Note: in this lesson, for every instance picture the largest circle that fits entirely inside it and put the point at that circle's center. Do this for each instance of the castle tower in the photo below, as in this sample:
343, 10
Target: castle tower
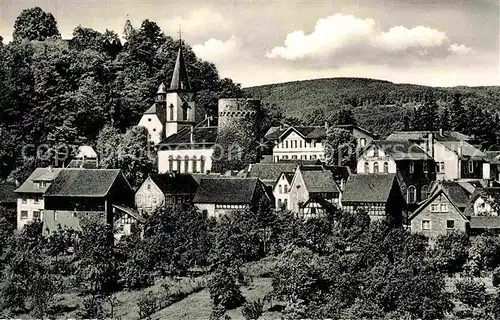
239, 112
180, 106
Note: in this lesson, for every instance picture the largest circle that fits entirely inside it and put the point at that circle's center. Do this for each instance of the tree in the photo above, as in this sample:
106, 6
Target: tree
340, 147
471, 292
224, 287
458, 114
342, 117
34, 24
252, 310
451, 252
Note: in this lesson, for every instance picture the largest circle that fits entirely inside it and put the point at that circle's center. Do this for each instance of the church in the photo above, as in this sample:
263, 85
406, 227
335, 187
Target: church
185, 139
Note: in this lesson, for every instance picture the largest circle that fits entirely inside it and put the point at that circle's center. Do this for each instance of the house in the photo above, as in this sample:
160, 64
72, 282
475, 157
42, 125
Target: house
378, 194
414, 167
77, 193
125, 219
306, 142
85, 158
8, 198
494, 161
321, 183
269, 173
453, 153
438, 215
30, 201
483, 210
281, 190
220, 196
165, 189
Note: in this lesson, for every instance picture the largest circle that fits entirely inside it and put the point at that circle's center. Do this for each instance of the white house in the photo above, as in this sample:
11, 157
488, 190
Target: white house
30, 202
281, 190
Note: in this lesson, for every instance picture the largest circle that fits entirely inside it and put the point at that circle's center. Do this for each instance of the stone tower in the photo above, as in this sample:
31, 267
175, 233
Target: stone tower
239, 111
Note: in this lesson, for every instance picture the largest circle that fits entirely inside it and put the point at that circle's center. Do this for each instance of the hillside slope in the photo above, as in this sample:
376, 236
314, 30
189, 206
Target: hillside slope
377, 104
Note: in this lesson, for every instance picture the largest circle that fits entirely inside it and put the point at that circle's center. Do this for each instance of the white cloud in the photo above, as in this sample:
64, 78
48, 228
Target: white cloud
215, 50
401, 38
350, 39
459, 49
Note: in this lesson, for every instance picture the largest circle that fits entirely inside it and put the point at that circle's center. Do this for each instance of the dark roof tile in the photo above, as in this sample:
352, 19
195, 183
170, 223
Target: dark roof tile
175, 183
368, 187
226, 190
83, 182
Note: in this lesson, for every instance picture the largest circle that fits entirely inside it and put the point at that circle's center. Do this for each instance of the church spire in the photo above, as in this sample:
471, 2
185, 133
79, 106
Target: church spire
180, 80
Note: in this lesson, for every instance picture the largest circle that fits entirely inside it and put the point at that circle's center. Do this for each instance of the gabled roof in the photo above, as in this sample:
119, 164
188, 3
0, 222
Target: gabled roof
489, 192
151, 110
399, 150
424, 204
288, 176
131, 212
318, 180
86, 164
422, 135
175, 183
309, 132
83, 183
456, 193
86, 152
180, 80
206, 136
40, 174
464, 149
7, 194
226, 190
368, 187
269, 173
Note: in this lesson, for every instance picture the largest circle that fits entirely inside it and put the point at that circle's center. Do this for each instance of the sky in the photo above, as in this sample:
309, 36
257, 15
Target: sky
429, 42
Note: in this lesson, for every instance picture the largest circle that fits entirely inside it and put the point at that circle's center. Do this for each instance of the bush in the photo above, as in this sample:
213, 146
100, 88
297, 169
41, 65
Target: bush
252, 310
495, 277
148, 304
471, 292
224, 288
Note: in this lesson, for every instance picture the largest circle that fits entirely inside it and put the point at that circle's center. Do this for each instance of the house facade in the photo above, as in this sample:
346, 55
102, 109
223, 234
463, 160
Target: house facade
30, 201
437, 216
483, 210
78, 193
221, 196
377, 194
281, 190
307, 142
165, 190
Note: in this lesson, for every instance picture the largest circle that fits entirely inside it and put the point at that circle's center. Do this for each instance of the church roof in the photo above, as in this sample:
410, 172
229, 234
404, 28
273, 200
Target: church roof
180, 80
201, 135
151, 110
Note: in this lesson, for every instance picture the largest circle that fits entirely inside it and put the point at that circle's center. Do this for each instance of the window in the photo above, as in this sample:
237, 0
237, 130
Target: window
24, 214
426, 224
314, 157
426, 169
186, 164
55, 215
202, 164
440, 167
43, 184
471, 166
185, 112
24, 200
36, 214
362, 142
195, 165
411, 194
434, 208
450, 224
179, 163
171, 112
170, 164
37, 199
300, 144
286, 144
281, 188
443, 207
412, 167
425, 192
386, 167
375, 167
279, 203
375, 151
285, 188
295, 144
367, 167
294, 157
149, 186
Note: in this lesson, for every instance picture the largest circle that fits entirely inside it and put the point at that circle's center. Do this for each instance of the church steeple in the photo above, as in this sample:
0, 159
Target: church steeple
180, 80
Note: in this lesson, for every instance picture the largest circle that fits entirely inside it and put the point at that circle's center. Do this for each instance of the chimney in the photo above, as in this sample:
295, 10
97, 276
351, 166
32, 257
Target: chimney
191, 134
430, 144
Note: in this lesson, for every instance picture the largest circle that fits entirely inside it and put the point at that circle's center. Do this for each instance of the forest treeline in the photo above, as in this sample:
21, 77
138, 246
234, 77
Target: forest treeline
56, 91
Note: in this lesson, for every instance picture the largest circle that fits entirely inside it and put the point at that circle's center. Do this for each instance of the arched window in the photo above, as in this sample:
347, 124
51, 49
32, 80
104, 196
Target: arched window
367, 167
375, 167
186, 164
375, 151
386, 167
411, 194
425, 192
195, 165
179, 164
412, 167
170, 164
171, 112
362, 142
185, 111
202, 164
281, 188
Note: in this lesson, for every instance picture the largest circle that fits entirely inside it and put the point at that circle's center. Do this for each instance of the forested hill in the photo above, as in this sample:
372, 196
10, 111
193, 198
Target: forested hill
377, 104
